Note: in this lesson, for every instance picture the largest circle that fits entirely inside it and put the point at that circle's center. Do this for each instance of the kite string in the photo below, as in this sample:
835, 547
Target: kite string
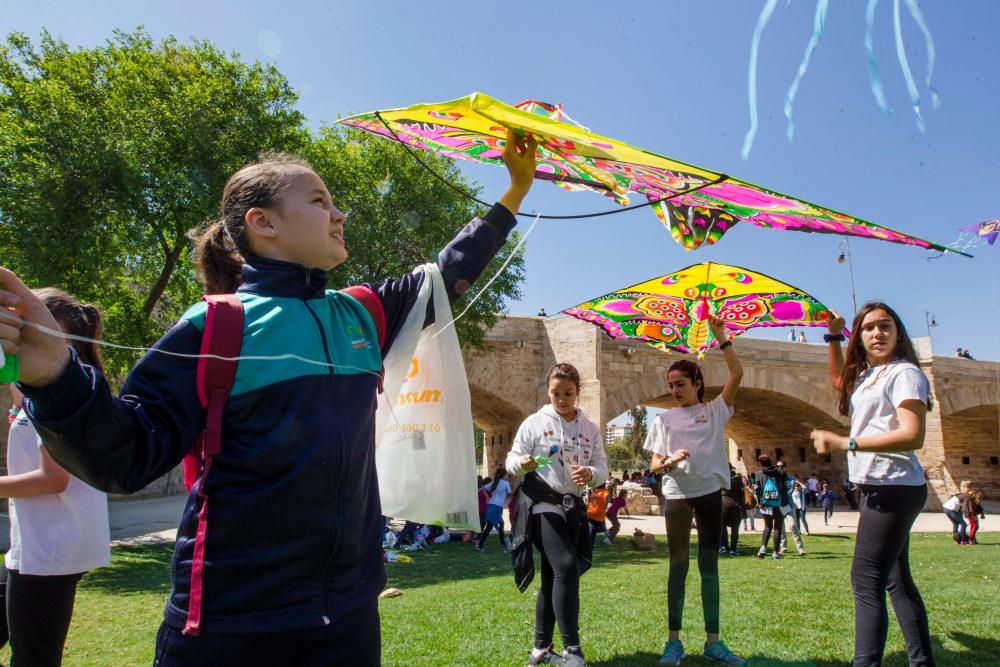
818, 21
409, 149
765, 16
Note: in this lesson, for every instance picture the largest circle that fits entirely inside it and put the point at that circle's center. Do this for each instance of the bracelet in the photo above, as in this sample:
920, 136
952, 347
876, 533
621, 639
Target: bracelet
728, 343
830, 338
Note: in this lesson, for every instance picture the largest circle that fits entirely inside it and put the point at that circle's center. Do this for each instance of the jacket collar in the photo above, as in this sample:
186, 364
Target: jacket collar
274, 277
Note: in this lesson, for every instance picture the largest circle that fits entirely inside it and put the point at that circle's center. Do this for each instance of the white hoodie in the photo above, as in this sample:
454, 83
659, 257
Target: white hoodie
565, 443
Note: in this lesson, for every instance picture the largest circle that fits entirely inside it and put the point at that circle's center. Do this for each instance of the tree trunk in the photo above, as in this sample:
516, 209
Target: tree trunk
161, 283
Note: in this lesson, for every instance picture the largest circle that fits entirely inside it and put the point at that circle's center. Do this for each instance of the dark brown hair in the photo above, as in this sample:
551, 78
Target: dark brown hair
563, 372
693, 372
221, 245
764, 460
77, 319
856, 359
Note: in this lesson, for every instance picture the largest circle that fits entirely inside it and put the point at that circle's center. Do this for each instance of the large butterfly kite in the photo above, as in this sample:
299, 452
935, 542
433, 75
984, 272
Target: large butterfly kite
670, 313
698, 206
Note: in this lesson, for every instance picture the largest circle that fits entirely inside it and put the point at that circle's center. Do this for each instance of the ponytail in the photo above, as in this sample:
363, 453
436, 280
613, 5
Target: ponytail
220, 246
76, 319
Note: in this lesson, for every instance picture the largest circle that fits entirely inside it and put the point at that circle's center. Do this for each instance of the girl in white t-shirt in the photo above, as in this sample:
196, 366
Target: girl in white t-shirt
689, 448
498, 489
58, 524
887, 396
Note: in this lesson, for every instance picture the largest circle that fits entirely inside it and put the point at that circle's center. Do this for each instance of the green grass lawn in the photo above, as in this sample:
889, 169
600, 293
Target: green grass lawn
461, 607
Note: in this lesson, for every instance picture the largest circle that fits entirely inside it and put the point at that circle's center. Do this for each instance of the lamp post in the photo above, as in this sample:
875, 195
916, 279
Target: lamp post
845, 258
931, 322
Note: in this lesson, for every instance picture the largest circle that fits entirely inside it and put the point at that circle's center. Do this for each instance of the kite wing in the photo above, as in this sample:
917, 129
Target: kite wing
702, 206
671, 312
988, 230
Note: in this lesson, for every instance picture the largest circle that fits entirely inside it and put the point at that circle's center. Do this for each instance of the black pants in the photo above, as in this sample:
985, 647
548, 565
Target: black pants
707, 511
36, 614
559, 598
882, 563
732, 515
774, 521
354, 639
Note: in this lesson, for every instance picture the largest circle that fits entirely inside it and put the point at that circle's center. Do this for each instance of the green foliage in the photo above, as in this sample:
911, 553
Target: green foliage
620, 457
400, 216
108, 156
637, 438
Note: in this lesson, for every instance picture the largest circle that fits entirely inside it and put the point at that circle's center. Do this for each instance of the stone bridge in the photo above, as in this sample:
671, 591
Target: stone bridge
785, 393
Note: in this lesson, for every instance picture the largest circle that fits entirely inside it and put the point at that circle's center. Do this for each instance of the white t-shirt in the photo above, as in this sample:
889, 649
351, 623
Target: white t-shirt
879, 391
700, 430
499, 492
56, 533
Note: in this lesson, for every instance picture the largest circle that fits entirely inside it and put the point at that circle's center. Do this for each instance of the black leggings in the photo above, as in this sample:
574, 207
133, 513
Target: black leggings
37, 612
707, 511
559, 597
486, 533
882, 563
774, 521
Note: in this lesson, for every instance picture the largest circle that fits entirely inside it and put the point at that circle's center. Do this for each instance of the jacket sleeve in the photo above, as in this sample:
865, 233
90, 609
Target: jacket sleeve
522, 445
461, 262
120, 445
598, 463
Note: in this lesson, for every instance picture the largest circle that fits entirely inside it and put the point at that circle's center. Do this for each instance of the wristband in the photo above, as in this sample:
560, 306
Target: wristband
830, 338
728, 343
852, 446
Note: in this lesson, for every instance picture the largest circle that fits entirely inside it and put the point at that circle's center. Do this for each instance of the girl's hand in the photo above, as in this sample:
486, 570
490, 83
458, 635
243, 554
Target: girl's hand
519, 154
827, 442
718, 329
528, 464
42, 357
581, 475
835, 324
678, 456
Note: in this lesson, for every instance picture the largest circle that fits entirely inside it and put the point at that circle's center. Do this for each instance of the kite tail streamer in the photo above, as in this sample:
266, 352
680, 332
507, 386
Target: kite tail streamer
765, 16
918, 18
818, 20
911, 85
870, 53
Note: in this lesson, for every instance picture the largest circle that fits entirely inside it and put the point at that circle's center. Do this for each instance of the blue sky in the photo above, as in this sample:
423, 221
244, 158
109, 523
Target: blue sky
670, 77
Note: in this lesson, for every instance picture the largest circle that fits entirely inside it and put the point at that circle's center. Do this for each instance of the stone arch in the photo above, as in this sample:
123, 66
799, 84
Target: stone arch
961, 397
972, 447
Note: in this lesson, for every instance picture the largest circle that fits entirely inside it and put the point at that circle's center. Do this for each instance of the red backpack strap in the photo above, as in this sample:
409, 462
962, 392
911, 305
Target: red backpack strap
221, 342
369, 299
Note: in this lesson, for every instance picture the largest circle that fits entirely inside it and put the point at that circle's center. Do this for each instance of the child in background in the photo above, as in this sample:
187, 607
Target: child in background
597, 512
827, 498
617, 504
499, 489
973, 510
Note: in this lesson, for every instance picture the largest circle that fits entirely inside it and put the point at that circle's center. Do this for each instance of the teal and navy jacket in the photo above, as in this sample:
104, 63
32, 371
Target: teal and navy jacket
294, 540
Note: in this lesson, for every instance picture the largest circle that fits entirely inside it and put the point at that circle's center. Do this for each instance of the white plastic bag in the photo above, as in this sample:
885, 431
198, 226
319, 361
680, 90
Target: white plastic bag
424, 449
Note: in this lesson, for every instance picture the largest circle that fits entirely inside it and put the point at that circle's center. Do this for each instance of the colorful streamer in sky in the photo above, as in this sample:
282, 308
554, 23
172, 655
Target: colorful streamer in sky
696, 205
670, 313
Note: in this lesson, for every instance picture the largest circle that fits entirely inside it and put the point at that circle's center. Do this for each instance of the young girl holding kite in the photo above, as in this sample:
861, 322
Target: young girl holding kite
292, 555
560, 452
689, 448
886, 395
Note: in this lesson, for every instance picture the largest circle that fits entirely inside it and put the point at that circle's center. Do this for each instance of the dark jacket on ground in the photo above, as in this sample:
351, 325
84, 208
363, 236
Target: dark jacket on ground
294, 532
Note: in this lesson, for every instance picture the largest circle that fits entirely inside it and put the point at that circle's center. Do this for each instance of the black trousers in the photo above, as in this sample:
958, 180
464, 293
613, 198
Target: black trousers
882, 563
707, 511
559, 597
354, 639
775, 521
36, 614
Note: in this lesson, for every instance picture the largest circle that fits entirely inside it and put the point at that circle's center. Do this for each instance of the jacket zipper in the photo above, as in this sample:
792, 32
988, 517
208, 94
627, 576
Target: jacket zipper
339, 481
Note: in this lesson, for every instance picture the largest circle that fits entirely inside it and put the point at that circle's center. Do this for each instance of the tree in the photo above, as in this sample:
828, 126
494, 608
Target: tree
108, 156
400, 216
637, 438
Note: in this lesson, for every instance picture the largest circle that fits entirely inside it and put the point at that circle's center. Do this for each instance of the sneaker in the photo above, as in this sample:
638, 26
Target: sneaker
777, 556
734, 552
481, 549
762, 553
546, 657
573, 657
673, 653
607, 541
722, 551
719, 652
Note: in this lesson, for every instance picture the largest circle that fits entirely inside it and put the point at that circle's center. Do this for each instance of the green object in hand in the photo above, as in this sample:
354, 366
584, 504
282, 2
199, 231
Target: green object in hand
541, 461
9, 368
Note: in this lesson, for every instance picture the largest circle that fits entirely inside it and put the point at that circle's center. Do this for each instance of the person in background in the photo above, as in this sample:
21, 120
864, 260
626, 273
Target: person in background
972, 508
827, 498
617, 504
499, 489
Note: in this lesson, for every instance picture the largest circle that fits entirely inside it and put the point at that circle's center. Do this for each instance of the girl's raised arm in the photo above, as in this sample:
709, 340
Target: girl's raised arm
718, 328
